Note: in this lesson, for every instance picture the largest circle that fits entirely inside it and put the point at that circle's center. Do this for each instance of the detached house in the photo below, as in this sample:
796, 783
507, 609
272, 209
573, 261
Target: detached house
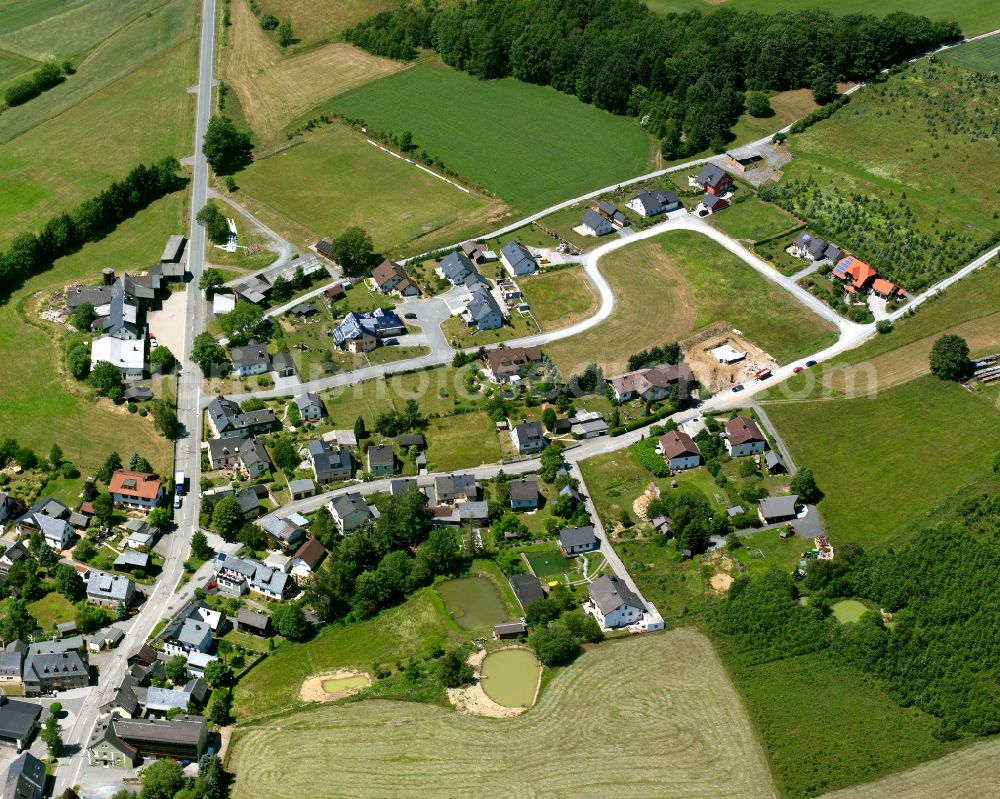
247, 454
310, 406
483, 311
456, 268
283, 533
185, 635
517, 259
528, 438
110, 590
679, 450
389, 276
713, 180
574, 540
237, 576
226, 420
349, 511
330, 463
506, 363
651, 385
594, 224
524, 493
743, 437
136, 490
654, 203
252, 359
855, 274
806, 245
381, 460
613, 603
451, 488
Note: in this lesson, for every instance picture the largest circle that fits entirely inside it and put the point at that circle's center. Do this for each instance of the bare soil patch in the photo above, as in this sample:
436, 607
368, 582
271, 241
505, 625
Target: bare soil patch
312, 688
472, 699
717, 376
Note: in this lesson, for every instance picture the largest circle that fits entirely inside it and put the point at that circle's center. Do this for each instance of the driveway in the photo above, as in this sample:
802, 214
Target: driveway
169, 323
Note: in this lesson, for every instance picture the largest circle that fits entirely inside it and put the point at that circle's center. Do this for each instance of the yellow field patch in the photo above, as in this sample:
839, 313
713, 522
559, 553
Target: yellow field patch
273, 90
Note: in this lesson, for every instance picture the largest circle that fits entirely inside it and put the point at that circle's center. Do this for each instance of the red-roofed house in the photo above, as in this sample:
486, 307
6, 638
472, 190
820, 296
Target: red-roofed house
137, 490
855, 273
743, 437
679, 450
885, 288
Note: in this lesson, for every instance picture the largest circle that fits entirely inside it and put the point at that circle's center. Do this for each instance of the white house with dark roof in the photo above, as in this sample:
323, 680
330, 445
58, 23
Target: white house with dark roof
456, 267
252, 359
237, 576
483, 311
310, 405
517, 259
575, 540
653, 203
349, 511
528, 437
330, 463
595, 224
613, 603
524, 493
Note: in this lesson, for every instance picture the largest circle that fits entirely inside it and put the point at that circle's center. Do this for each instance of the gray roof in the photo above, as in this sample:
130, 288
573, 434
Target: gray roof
482, 305
527, 588
258, 575
25, 778
456, 267
411, 440
301, 485
132, 558
578, 536
253, 619
173, 248
528, 430
476, 510
346, 504
515, 252
609, 593
777, 507
226, 415
525, 488
309, 399
67, 664
326, 458
510, 628
380, 455
249, 501
734, 510
402, 485
253, 354
18, 718
592, 219
456, 484
108, 586
653, 201
54, 647
568, 491
590, 426
164, 699
771, 459
710, 174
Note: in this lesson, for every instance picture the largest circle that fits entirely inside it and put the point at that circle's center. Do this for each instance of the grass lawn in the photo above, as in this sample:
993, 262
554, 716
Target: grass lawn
411, 628
45, 405
550, 564
687, 282
329, 182
889, 489
559, 299
687, 707
787, 106
52, 609
753, 220
462, 441
675, 586
554, 146
461, 336
318, 20
857, 733
981, 56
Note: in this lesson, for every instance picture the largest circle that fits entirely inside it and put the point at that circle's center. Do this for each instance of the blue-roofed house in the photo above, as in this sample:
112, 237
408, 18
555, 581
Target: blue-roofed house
517, 259
361, 332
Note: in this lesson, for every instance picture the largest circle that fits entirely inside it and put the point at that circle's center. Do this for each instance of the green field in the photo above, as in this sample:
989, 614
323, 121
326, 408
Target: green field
687, 708
461, 441
52, 609
981, 56
335, 179
753, 220
974, 17
559, 299
687, 282
885, 462
530, 145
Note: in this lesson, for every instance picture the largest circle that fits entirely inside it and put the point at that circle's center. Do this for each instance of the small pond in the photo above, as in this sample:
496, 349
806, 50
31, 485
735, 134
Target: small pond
339, 685
473, 602
848, 610
510, 677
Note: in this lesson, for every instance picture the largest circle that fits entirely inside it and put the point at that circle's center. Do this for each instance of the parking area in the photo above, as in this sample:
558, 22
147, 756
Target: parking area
167, 324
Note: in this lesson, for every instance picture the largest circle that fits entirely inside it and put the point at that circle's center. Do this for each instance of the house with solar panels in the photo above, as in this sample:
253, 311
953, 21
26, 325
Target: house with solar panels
363, 332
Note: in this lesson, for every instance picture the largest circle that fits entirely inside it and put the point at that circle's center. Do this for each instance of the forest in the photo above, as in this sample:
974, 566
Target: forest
939, 648
682, 75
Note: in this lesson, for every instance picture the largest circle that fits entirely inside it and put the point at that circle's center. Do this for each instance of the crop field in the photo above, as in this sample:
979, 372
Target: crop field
981, 56
687, 712
753, 220
976, 16
872, 441
915, 212
326, 184
273, 89
553, 147
687, 282
45, 405
559, 299
320, 20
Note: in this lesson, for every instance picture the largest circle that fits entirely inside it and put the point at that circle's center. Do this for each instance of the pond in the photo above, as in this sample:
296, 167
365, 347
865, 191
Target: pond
510, 677
848, 610
473, 602
338, 685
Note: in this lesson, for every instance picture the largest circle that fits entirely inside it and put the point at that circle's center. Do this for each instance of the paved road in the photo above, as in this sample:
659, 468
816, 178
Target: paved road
187, 452
282, 246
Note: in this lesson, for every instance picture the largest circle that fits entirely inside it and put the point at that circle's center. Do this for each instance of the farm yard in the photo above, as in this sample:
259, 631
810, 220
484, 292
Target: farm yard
425, 751
341, 168
688, 283
553, 147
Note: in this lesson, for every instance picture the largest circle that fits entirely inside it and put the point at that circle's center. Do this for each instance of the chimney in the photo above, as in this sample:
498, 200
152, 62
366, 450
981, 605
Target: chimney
108, 276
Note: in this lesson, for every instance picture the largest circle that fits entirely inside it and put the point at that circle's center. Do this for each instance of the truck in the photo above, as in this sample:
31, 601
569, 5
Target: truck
179, 481
763, 374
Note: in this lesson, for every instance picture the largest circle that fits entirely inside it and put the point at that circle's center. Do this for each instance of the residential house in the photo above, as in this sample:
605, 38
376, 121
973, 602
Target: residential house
13, 553
128, 355
226, 420
302, 488
310, 406
307, 558
25, 778
452, 488
248, 454
528, 437
475, 513
855, 274
186, 634
713, 181
57, 532
249, 621
389, 276
517, 259
710, 204
524, 493
381, 460
46, 671
807, 245
8, 506
349, 511
403, 486
679, 450
506, 363
283, 533
237, 576
18, 722
330, 463
249, 501
574, 540
613, 603
136, 490
252, 359
773, 510
110, 590
483, 311
653, 203
283, 365
197, 662
652, 385
362, 332
140, 535
527, 588
743, 437
12, 662
122, 743
594, 224
456, 267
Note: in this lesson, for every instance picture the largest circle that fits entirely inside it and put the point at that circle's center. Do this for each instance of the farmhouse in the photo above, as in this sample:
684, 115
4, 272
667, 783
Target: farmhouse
483, 311
528, 437
310, 406
743, 437
329, 463
778, 509
855, 274
18, 723
654, 203
613, 603
517, 259
128, 355
121, 743
527, 588
381, 460
506, 363
574, 540
349, 511
594, 224
806, 245
389, 276
110, 590
524, 493
679, 450
226, 420
651, 385
712, 180
136, 490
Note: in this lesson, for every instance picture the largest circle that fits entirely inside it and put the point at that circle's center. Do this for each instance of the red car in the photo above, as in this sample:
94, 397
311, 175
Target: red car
797, 369
210, 585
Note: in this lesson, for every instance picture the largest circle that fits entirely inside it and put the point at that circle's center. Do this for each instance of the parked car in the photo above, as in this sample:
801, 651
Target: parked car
763, 374
738, 387
797, 369
391, 342
178, 500
810, 363
409, 316
211, 584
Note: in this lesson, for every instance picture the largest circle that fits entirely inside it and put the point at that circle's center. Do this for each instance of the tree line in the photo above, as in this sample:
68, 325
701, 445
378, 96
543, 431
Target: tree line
683, 75
46, 77
93, 219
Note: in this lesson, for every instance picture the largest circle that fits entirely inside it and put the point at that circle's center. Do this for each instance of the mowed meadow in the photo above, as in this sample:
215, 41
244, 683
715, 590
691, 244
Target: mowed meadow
666, 695
529, 145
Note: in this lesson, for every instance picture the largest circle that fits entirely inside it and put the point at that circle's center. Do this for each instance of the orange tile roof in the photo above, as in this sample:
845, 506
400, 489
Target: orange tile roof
860, 272
883, 286
135, 484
